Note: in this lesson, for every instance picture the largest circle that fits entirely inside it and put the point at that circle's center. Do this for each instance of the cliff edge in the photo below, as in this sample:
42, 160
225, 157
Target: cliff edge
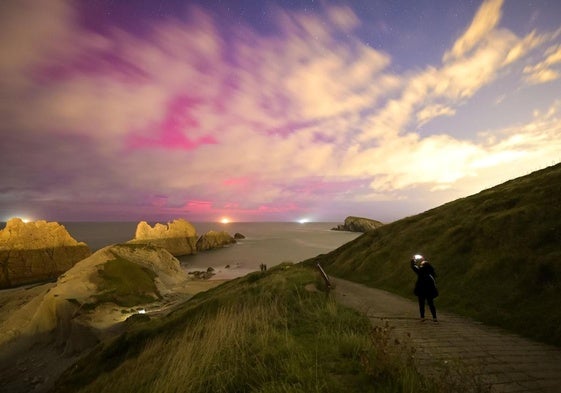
96, 293
36, 251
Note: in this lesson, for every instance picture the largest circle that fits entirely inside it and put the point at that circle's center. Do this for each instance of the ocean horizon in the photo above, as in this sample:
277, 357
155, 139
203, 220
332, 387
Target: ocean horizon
268, 243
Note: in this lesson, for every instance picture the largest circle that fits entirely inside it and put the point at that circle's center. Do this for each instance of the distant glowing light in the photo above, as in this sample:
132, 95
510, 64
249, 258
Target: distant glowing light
23, 218
303, 220
225, 220
142, 311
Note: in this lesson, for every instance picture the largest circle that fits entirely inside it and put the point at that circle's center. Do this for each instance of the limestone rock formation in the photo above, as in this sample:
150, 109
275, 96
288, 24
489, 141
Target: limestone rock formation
36, 251
176, 228
214, 239
358, 224
98, 292
179, 237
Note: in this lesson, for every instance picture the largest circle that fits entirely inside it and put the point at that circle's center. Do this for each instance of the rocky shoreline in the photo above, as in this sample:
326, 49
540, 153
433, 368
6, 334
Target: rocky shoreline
46, 326
40, 251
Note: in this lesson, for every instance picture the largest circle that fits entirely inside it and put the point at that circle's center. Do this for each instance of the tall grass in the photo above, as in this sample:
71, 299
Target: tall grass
268, 332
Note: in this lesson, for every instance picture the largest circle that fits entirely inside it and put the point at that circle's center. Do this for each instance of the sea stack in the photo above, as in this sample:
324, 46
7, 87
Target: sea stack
358, 224
179, 237
214, 239
36, 251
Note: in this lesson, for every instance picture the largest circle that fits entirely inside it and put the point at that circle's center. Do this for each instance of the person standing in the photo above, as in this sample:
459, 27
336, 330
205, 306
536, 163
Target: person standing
425, 287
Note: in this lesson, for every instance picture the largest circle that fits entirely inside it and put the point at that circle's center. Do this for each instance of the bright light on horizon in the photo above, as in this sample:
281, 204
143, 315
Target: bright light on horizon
225, 220
303, 220
23, 218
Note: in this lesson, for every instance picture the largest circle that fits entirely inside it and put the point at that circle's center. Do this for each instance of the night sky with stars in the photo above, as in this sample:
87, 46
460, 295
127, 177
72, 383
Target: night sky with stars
271, 110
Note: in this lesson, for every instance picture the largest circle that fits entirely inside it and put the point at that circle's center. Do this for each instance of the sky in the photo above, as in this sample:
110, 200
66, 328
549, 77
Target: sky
271, 110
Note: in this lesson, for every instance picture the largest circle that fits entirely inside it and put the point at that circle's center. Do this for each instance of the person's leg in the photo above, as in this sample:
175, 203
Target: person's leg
422, 306
430, 301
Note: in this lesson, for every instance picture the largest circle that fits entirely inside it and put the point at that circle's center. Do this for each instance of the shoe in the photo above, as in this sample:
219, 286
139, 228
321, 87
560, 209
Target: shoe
435, 320
423, 319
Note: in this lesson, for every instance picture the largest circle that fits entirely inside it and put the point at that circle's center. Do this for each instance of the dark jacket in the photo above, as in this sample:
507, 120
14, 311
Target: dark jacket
426, 280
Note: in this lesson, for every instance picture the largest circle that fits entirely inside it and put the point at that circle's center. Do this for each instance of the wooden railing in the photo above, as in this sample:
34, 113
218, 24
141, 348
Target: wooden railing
325, 276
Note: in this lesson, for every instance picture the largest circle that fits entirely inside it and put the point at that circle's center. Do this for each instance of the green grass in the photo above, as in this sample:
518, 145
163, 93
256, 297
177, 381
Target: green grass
497, 254
266, 332
125, 283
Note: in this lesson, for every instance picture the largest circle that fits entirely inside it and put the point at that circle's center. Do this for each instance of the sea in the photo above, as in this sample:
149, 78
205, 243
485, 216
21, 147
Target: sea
268, 243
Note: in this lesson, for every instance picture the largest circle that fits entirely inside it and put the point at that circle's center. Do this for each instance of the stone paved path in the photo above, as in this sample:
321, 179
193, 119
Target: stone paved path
501, 360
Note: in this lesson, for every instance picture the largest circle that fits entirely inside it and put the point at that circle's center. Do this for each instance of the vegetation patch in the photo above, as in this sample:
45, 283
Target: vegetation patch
126, 284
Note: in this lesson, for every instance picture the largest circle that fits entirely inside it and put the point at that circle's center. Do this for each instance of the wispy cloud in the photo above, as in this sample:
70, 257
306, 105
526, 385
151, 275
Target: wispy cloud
485, 20
193, 117
546, 70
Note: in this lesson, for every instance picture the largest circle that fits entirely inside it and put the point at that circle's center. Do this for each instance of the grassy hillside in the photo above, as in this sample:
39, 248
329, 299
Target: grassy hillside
266, 332
497, 255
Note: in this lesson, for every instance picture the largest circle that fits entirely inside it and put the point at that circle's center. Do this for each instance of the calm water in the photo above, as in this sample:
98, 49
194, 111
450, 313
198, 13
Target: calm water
267, 243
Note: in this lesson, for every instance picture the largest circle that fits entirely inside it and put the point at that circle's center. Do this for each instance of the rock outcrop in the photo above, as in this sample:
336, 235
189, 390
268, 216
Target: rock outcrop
179, 237
358, 224
36, 251
98, 292
214, 239
238, 236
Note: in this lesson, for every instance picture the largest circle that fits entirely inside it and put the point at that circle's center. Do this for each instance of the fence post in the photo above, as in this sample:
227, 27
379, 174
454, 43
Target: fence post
324, 275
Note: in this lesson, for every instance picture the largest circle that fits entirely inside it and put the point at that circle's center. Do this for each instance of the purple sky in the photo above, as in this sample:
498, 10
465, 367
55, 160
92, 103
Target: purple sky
271, 110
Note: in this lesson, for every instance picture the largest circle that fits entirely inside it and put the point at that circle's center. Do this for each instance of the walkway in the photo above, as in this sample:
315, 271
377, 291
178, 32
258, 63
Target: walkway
501, 360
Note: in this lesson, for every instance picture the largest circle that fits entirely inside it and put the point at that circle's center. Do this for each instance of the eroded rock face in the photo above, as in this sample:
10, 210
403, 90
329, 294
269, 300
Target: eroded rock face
176, 228
86, 297
214, 239
19, 235
358, 224
36, 251
179, 237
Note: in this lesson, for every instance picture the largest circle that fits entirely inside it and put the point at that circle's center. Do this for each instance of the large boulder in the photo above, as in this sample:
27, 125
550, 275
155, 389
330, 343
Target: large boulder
179, 237
98, 292
36, 251
214, 239
358, 224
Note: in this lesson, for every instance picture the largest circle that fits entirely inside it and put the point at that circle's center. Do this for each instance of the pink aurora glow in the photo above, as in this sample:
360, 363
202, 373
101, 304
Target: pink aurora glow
278, 111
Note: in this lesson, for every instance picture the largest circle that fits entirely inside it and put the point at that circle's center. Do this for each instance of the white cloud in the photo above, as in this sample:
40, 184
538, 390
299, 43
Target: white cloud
430, 112
528, 43
486, 19
283, 109
544, 71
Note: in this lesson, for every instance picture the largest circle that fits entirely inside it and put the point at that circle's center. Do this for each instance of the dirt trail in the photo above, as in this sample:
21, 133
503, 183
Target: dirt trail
502, 360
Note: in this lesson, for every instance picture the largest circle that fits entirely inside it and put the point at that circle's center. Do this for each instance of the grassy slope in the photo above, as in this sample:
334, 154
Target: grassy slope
264, 332
497, 254
126, 283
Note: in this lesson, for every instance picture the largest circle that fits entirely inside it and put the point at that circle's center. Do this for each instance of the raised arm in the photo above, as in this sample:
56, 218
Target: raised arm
414, 266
